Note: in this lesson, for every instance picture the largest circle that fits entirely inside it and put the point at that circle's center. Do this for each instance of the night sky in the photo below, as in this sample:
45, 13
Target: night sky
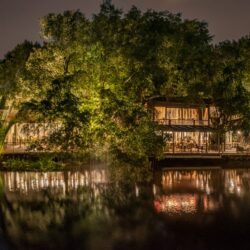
19, 19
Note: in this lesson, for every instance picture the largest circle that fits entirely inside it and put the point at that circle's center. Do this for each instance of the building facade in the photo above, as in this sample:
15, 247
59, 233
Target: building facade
187, 127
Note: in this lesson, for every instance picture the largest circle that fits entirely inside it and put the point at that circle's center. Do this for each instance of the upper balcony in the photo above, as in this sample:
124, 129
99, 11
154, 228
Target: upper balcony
182, 116
187, 122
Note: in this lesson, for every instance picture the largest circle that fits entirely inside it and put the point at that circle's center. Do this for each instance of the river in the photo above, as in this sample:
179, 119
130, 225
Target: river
178, 209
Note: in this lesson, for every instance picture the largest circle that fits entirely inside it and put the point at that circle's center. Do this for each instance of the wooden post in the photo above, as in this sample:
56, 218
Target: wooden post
182, 145
199, 141
208, 115
206, 141
219, 143
225, 135
38, 131
209, 139
182, 116
15, 137
173, 141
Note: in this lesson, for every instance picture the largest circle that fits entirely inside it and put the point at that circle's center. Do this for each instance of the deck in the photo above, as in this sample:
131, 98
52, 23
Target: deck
183, 160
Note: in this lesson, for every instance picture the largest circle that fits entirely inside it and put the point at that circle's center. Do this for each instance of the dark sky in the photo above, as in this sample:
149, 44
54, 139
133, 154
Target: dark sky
19, 19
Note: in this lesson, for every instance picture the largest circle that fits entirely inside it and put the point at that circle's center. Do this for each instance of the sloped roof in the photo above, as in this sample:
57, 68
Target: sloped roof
181, 101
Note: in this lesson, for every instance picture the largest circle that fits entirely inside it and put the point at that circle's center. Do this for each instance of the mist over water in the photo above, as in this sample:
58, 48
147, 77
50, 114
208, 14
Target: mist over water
178, 209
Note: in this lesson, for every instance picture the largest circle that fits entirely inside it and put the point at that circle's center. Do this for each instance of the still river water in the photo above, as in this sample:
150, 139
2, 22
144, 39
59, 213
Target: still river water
179, 209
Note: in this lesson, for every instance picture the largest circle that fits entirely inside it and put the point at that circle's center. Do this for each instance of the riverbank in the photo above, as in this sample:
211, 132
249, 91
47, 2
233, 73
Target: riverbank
37, 161
204, 160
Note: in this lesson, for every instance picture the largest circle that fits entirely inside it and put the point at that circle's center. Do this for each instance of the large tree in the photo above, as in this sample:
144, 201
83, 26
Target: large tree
95, 78
11, 68
230, 87
86, 82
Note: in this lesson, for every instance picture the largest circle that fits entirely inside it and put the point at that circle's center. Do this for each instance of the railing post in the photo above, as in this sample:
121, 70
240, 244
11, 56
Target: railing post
173, 142
206, 136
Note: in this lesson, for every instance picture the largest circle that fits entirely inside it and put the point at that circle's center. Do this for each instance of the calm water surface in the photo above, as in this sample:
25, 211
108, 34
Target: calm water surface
179, 209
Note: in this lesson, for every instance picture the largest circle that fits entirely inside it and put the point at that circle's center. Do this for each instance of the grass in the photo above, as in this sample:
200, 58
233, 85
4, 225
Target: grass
44, 163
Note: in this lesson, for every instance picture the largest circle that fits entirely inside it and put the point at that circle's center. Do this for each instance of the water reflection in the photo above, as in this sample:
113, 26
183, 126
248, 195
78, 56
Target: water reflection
177, 203
200, 180
176, 191
70, 210
197, 191
60, 182
85, 210
186, 192
233, 181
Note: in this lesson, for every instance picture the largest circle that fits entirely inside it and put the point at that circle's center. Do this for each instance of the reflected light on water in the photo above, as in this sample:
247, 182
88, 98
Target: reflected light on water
177, 191
194, 191
177, 204
26, 182
83, 210
233, 182
188, 179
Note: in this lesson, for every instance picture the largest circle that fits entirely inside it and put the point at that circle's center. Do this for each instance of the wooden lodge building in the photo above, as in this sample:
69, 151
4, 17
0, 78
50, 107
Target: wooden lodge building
186, 127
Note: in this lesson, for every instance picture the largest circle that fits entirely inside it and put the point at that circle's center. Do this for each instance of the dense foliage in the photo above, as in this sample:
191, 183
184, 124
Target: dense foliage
95, 78
11, 69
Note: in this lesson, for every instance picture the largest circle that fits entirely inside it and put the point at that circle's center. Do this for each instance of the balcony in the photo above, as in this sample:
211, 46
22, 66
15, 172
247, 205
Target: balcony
187, 122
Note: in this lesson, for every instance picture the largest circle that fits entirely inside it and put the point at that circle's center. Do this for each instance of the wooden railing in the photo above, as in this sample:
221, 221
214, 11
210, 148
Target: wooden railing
189, 122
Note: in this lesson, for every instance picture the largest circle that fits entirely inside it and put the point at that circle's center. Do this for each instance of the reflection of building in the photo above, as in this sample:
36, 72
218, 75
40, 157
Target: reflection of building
232, 182
187, 127
195, 191
186, 192
177, 203
177, 192
188, 180
27, 183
